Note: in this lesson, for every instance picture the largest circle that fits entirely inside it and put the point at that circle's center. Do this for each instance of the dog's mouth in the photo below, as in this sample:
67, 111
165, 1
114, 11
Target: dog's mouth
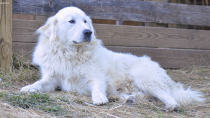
86, 41
74, 42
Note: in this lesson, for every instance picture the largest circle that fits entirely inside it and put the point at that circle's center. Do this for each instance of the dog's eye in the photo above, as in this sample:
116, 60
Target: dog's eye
85, 21
72, 21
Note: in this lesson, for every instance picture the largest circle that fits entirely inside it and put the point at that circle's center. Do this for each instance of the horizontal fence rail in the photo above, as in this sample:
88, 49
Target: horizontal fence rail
172, 48
155, 37
122, 10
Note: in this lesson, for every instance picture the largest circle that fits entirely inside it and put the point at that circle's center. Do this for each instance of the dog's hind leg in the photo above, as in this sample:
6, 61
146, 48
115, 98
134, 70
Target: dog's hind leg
165, 97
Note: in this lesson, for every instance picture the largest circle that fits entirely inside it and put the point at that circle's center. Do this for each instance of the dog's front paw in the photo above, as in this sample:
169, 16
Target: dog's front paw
30, 88
99, 98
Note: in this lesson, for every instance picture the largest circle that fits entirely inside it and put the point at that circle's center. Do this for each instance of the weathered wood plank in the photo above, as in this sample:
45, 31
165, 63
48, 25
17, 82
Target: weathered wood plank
38, 17
168, 58
23, 16
6, 34
112, 35
153, 37
119, 36
27, 23
25, 27
25, 38
24, 30
126, 10
24, 50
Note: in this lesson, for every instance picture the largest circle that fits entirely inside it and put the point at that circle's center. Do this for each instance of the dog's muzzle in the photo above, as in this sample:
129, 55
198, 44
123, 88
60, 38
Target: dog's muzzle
87, 35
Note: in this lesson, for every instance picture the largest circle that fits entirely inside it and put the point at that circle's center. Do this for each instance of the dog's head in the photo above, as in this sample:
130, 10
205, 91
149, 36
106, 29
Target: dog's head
70, 26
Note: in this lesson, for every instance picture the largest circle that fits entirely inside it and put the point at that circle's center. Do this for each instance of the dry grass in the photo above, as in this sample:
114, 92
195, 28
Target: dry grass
14, 104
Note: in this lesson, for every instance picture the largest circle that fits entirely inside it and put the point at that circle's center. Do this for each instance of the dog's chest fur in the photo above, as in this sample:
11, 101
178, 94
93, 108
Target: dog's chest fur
69, 66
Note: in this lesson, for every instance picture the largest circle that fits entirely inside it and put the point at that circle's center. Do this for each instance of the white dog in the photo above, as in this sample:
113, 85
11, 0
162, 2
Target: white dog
70, 57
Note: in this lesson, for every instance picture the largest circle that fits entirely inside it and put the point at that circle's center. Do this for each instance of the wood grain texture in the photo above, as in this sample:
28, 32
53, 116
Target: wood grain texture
24, 30
168, 58
25, 27
23, 50
155, 42
23, 16
112, 35
25, 38
6, 34
122, 10
137, 36
39, 17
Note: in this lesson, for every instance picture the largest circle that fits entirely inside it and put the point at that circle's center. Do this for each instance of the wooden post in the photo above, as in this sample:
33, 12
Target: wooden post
6, 34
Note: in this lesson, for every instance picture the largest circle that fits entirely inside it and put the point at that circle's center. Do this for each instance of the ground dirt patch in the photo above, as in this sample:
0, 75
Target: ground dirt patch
14, 104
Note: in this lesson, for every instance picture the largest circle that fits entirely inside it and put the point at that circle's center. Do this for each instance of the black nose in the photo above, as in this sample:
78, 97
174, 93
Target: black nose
87, 32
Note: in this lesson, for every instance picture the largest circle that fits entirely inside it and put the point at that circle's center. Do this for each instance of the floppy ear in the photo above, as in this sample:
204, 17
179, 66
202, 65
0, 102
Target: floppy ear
49, 29
91, 27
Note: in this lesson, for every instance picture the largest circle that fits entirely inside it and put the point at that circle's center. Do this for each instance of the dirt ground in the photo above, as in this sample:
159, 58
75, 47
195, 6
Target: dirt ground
61, 104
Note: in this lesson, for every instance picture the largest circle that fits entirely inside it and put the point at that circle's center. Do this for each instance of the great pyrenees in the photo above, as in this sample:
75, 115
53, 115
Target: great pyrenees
72, 58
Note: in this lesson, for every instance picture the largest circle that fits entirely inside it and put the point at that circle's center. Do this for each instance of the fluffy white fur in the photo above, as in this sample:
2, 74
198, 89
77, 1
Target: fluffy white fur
68, 62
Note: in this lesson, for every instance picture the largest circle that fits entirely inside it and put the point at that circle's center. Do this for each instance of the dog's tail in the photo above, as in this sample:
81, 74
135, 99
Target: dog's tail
186, 97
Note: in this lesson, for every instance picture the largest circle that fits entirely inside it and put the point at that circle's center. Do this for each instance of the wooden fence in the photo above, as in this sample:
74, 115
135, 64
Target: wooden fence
5, 34
171, 47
